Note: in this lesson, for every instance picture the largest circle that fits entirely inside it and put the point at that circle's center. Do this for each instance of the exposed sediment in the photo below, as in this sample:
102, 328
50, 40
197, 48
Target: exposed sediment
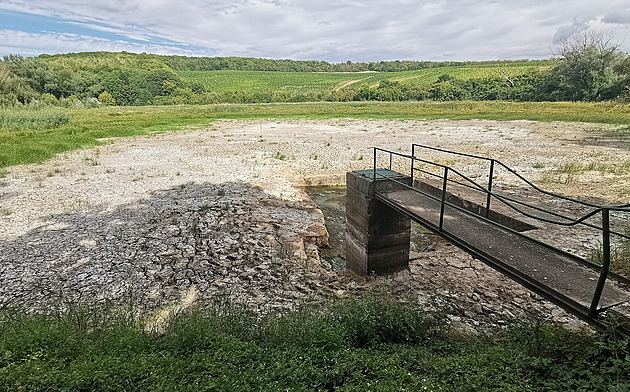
220, 212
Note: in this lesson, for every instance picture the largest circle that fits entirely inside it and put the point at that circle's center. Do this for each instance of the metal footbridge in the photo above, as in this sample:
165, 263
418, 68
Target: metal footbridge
509, 227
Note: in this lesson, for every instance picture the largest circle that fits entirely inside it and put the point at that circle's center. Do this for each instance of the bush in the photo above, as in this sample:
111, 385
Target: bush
106, 99
370, 321
49, 99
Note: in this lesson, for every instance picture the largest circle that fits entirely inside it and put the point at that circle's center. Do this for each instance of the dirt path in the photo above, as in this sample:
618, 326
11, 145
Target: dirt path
349, 83
220, 211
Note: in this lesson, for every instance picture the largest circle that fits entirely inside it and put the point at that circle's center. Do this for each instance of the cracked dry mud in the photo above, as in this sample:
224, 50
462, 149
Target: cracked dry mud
220, 212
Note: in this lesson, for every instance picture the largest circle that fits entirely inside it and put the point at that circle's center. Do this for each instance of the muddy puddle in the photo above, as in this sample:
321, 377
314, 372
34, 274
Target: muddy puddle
331, 200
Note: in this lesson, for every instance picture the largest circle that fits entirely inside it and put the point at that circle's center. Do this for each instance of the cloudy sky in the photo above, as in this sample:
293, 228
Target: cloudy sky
335, 31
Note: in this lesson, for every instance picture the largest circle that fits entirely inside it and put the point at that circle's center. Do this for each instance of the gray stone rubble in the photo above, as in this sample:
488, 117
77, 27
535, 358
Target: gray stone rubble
215, 238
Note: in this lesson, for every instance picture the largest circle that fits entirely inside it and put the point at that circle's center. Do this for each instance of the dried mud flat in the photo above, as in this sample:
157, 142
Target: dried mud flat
192, 217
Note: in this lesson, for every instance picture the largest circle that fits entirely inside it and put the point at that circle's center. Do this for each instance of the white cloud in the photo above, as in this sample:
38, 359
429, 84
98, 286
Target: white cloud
339, 30
18, 42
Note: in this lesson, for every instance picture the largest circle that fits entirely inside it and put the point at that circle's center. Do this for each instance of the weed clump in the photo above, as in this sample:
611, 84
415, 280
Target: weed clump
619, 255
280, 156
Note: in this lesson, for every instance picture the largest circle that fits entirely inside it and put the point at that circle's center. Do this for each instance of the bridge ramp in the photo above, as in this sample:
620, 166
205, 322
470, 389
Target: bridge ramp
530, 263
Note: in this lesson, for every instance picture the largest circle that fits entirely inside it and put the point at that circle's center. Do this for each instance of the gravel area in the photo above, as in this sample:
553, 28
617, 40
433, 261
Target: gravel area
221, 212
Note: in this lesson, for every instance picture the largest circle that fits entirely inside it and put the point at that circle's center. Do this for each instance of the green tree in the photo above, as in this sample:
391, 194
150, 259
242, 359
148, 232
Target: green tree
587, 71
14, 89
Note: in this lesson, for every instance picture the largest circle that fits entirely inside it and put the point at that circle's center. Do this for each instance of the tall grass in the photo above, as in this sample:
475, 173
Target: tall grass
353, 345
619, 255
33, 120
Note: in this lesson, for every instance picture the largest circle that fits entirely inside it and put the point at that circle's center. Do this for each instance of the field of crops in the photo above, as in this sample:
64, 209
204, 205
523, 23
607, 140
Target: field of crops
268, 81
253, 82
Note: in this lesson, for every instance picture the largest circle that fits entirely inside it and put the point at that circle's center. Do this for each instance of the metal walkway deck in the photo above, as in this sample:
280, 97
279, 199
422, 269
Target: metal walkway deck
579, 286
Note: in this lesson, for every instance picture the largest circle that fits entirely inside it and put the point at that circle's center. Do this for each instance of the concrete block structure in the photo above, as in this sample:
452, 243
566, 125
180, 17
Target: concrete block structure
377, 236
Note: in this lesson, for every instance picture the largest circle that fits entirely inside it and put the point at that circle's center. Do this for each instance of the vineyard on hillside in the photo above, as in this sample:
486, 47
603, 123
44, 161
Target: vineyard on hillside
326, 82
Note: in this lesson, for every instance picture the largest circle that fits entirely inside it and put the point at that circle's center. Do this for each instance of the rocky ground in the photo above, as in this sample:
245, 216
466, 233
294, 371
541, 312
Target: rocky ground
220, 214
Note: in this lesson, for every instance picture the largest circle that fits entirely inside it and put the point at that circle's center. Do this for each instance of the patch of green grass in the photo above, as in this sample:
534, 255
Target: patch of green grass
622, 133
34, 120
550, 179
602, 167
351, 345
90, 127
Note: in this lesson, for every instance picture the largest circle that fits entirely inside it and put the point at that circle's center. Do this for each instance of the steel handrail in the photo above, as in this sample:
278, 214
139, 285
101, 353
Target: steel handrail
490, 221
572, 221
509, 169
477, 187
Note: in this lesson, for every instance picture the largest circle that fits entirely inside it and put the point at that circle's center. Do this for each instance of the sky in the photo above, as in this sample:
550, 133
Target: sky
334, 31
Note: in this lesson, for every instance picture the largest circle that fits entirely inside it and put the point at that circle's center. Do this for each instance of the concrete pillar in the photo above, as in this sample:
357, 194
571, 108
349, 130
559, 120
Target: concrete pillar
377, 236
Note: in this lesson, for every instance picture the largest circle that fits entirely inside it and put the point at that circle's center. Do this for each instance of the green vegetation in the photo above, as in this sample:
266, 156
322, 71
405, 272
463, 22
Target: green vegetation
273, 86
256, 82
602, 167
589, 69
88, 126
619, 254
280, 156
77, 80
32, 120
351, 345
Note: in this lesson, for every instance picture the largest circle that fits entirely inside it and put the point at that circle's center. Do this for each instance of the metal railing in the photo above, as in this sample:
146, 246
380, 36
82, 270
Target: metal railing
516, 205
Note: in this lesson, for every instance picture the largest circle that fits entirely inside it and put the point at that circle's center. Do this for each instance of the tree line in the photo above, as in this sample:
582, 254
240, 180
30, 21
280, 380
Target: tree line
590, 68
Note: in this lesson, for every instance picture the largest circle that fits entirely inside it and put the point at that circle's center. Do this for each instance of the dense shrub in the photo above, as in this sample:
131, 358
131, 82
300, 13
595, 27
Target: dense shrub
106, 99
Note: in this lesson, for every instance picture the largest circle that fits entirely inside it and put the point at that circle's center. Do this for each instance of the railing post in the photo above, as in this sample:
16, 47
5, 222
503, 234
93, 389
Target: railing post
374, 173
413, 159
489, 196
443, 197
605, 262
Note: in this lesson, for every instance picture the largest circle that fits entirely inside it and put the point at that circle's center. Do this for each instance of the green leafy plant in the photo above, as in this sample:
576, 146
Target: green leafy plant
280, 156
352, 344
